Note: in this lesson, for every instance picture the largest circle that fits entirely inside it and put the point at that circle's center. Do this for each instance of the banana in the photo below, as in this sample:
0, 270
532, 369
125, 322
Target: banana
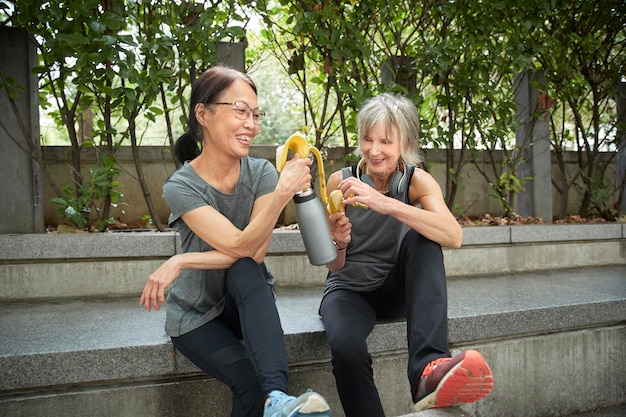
335, 202
298, 144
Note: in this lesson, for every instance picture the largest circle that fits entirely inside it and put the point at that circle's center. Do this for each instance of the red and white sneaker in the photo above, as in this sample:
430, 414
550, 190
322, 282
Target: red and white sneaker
446, 382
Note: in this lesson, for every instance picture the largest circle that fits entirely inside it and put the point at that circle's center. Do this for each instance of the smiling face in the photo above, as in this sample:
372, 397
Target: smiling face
223, 132
381, 150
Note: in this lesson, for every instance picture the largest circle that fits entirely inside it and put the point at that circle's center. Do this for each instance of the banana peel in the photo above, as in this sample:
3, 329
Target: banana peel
297, 143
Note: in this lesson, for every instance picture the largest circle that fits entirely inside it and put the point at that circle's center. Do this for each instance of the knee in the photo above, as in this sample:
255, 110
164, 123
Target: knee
415, 243
244, 269
245, 276
243, 264
348, 352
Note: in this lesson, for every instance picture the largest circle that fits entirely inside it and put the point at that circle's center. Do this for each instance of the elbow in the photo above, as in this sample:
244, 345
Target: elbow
453, 238
240, 250
457, 239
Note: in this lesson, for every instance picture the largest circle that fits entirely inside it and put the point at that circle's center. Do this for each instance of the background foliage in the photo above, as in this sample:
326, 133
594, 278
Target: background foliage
110, 69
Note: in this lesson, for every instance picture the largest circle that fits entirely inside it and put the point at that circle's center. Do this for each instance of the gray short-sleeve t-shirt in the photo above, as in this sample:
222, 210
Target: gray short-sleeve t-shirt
197, 296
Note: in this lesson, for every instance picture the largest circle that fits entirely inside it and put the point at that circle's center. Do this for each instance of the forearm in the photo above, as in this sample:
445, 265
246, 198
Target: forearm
203, 260
218, 231
440, 228
259, 256
338, 263
254, 240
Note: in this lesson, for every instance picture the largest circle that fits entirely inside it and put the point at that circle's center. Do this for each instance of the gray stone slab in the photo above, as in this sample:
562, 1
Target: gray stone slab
441, 412
75, 341
565, 232
619, 411
28, 247
527, 303
487, 235
286, 241
86, 245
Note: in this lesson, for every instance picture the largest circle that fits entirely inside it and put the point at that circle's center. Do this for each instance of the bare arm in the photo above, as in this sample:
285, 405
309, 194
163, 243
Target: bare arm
169, 271
433, 220
215, 229
229, 243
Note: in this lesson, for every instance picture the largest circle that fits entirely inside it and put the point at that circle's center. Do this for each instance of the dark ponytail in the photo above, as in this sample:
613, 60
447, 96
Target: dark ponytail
207, 89
186, 148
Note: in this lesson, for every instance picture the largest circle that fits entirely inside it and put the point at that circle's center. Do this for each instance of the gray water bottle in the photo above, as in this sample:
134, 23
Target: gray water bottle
314, 229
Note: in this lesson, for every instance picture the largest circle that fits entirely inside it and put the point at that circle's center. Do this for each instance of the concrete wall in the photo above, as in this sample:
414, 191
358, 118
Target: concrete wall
21, 200
473, 196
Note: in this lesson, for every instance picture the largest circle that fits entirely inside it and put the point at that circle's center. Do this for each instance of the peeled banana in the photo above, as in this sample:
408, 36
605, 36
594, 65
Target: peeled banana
335, 202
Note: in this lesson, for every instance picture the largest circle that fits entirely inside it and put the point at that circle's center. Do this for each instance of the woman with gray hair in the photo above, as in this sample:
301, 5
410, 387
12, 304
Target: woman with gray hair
390, 265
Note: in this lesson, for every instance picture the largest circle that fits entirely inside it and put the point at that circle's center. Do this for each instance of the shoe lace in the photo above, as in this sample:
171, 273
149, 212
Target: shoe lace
275, 404
432, 365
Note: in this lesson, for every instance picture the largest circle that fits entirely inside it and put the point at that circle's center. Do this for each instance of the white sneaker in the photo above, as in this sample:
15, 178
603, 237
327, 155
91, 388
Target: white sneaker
310, 403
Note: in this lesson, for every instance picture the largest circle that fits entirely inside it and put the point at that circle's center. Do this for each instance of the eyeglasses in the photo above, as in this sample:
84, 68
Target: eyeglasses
242, 111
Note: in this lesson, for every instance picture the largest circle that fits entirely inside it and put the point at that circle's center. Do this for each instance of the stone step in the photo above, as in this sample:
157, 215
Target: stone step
554, 340
441, 412
618, 411
118, 264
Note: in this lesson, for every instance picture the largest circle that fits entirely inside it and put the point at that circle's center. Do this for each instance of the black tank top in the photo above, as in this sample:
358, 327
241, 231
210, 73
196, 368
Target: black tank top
374, 247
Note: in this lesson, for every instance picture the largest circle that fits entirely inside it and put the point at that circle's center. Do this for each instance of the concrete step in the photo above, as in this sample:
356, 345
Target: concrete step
441, 412
618, 411
118, 264
554, 340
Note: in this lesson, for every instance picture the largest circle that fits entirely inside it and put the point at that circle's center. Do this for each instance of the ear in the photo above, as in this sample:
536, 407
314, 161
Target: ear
200, 112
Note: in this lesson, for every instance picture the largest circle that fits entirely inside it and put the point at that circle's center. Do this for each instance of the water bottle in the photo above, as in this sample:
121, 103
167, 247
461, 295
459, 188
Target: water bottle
314, 229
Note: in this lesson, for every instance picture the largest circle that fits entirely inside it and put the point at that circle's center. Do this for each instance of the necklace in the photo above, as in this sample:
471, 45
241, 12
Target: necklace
385, 191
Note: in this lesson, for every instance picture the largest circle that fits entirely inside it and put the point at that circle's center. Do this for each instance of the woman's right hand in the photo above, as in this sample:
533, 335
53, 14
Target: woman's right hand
158, 281
295, 175
340, 228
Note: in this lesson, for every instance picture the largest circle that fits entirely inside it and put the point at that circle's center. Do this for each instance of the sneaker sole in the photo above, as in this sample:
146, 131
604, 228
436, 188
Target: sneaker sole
468, 381
315, 405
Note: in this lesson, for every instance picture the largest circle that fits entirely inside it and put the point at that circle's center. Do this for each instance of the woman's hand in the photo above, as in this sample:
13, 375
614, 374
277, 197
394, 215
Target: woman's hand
158, 281
340, 228
295, 175
355, 191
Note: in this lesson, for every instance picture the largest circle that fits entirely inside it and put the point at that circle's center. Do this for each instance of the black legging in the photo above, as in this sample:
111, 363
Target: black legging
250, 313
416, 289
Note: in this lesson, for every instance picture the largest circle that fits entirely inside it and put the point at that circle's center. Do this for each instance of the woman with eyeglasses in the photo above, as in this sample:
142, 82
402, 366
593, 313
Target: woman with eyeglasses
221, 312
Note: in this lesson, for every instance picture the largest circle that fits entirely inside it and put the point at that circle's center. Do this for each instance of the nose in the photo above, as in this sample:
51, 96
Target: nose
374, 149
249, 120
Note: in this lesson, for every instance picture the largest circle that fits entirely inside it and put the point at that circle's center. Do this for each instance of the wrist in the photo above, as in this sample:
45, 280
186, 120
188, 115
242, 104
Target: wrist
338, 247
178, 261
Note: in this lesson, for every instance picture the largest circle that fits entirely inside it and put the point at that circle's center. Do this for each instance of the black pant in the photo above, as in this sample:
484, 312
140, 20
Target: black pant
259, 365
416, 289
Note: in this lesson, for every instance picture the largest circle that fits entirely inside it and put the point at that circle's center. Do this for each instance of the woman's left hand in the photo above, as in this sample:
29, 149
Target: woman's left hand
355, 191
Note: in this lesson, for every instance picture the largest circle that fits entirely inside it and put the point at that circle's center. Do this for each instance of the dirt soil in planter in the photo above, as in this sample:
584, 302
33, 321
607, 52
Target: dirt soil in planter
491, 220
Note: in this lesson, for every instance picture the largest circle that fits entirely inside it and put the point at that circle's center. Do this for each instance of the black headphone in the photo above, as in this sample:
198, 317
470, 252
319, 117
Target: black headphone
396, 186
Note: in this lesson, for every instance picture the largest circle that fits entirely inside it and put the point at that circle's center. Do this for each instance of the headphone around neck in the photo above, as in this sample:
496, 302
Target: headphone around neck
396, 186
